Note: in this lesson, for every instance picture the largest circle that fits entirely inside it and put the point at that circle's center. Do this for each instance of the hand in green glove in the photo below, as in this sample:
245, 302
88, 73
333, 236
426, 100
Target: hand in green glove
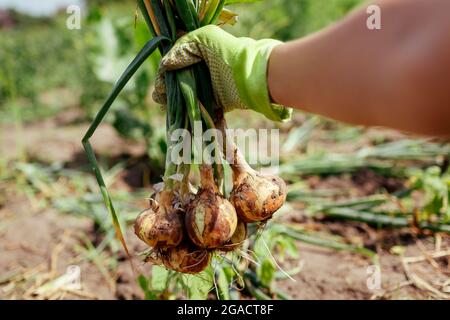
238, 68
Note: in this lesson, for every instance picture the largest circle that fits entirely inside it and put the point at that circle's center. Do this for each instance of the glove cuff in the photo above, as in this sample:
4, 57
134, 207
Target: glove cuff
252, 79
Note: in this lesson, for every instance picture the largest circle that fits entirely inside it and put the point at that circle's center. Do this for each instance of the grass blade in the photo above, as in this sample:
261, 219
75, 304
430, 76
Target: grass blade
146, 51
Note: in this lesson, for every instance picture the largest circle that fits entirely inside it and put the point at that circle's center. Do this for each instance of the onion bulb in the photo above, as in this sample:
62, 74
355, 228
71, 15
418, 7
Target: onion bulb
184, 258
161, 225
238, 238
211, 219
256, 197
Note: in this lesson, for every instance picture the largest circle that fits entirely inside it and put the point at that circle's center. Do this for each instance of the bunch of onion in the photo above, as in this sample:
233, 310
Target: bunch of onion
183, 226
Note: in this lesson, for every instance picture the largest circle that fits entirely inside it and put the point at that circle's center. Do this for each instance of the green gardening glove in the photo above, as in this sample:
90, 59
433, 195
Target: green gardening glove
238, 68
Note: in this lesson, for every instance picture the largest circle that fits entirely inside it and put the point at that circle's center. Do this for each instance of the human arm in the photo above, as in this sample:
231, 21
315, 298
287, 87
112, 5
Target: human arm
397, 77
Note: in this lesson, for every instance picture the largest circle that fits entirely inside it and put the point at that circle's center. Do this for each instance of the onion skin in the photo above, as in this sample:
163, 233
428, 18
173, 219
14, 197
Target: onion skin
185, 258
238, 238
160, 226
257, 197
211, 220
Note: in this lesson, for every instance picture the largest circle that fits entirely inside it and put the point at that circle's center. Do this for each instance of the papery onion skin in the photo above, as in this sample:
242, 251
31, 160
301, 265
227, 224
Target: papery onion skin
161, 225
238, 238
211, 220
257, 197
185, 258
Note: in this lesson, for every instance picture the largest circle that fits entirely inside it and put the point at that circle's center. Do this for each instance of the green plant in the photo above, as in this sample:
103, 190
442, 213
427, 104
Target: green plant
30, 69
434, 182
425, 175
290, 19
251, 271
189, 102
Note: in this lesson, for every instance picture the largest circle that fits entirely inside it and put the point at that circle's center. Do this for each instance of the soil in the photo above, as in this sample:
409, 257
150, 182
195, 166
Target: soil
327, 274
38, 245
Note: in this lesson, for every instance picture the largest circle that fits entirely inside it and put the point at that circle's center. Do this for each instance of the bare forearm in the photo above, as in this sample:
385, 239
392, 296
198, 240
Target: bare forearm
398, 76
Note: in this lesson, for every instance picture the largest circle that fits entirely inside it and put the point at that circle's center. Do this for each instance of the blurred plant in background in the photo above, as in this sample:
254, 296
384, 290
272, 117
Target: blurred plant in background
115, 40
289, 19
37, 58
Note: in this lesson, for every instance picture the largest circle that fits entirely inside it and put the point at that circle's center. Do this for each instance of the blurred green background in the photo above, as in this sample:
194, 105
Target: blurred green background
39, 54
